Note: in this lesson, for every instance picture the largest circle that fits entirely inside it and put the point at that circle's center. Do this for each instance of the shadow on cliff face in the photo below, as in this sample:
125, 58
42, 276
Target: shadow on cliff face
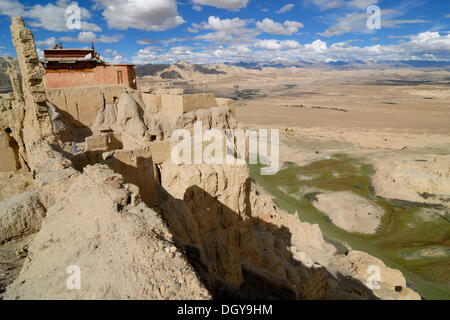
244, 257
77, 131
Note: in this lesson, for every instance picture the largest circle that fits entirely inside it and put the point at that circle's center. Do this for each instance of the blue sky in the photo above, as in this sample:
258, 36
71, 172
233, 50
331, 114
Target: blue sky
209, 31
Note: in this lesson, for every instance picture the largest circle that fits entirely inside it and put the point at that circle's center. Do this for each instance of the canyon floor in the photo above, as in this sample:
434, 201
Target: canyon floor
371, 146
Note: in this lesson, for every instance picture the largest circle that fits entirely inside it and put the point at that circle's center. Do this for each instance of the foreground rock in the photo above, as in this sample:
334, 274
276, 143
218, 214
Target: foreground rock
390, 285
20, 215
123, 251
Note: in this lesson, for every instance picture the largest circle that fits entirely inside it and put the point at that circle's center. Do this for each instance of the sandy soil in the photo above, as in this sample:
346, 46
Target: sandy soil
13, 183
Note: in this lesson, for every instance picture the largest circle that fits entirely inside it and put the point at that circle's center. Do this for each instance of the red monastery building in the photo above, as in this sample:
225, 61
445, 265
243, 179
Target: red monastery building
83, 67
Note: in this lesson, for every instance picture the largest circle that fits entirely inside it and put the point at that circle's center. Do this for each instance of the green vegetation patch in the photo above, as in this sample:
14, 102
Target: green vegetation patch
413, 237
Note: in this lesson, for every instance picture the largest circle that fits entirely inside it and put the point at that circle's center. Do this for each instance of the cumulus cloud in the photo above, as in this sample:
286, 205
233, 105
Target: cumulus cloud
286, 8
154, 15
50, 16
277, 44
317, 46
271, 27
88, 37
239, 30
224, 30
223, 4
231, 25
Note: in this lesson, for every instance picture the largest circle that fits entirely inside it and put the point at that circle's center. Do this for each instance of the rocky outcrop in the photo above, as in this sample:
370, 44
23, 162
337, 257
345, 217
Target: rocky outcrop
422, 180
37, 126
244, 246
238, 254
391, 286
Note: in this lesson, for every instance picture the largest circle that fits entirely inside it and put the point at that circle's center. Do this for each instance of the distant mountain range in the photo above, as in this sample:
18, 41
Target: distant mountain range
353, 64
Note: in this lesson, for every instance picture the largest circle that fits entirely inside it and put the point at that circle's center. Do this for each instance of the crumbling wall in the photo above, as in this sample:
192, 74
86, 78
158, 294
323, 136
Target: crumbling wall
80, 106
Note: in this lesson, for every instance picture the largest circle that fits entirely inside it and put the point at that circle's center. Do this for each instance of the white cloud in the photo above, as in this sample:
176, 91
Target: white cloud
11, 8
352, 4
50, 42
232, 25
223, 4
447, 16
286, 8
271, 27
277, 44
328, 4
224, 30
154, 15
357, 22
427, 46
88, 37
112, 56
361, 4
50, 16
40, 53
317, 46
